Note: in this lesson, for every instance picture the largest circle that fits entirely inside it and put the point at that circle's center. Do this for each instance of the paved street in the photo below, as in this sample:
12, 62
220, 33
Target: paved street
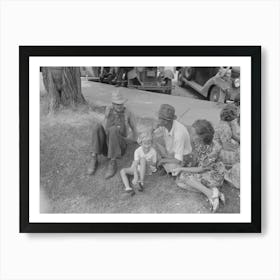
189, 105
145, 104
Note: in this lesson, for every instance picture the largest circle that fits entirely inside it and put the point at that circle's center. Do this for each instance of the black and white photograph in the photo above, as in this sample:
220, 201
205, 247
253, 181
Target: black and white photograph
140, 139
130, 145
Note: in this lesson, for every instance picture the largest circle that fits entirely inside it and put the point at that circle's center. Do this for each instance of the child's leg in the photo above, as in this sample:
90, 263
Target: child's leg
142, 170
124, 173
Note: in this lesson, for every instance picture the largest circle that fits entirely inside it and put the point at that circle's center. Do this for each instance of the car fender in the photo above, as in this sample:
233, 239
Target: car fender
217, 81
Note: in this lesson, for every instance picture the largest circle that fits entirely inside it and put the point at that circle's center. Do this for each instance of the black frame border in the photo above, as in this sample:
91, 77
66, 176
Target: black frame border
252, 51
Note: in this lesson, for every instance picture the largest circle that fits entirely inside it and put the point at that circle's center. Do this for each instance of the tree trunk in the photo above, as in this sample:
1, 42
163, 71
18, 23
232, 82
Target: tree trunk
63, 85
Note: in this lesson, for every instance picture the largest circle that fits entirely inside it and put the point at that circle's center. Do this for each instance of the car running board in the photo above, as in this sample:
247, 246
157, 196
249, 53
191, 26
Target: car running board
193, 85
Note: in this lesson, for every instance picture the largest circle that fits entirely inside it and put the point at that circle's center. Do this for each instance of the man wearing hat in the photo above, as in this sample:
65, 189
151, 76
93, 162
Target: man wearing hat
176, 138
109, 139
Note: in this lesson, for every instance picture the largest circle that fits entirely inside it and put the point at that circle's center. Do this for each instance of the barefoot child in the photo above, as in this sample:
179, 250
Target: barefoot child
144, 163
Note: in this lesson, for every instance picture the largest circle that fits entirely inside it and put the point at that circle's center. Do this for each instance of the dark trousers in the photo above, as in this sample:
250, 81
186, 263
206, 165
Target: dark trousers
110, 143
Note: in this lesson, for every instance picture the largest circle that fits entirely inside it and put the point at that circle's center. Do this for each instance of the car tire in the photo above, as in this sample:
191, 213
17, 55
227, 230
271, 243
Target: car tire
189, 73
216, 94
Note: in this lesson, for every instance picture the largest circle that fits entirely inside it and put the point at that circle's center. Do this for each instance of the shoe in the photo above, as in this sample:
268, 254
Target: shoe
112, 169
129, 193
140, 187
92, 166
214, 200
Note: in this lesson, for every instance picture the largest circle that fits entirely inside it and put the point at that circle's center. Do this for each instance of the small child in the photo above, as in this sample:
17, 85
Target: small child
145, 159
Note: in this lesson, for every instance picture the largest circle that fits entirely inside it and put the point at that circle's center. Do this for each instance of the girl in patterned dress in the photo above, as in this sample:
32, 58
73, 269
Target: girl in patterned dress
227, 133
227, 136
208, 174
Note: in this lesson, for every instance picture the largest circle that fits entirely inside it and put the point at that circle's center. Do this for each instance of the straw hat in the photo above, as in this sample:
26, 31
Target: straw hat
117, 97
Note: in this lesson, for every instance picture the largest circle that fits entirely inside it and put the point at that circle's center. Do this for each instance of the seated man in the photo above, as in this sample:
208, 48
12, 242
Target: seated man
110, 139
176, 139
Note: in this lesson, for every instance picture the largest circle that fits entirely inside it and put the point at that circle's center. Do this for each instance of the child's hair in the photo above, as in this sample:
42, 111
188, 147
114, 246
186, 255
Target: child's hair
145, 136
229, 113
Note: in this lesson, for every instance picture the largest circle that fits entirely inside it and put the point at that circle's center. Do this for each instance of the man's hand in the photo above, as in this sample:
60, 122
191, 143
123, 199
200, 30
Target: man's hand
176, 171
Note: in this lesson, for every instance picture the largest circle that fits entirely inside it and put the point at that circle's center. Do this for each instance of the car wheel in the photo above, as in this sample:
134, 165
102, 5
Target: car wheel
216, 94
189, 73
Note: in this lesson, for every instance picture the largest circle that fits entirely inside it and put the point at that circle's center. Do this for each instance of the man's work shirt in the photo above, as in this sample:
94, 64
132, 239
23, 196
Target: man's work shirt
177, 140
123, 120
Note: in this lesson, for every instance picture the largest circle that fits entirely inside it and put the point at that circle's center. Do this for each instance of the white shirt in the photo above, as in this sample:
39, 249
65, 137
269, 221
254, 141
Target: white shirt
151, 157
177, 140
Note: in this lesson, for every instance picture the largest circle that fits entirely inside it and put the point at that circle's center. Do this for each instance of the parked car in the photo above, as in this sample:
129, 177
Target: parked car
155, 79
218, 84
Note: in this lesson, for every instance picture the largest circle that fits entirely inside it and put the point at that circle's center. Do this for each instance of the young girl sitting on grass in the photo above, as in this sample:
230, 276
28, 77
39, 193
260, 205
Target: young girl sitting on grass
144, 163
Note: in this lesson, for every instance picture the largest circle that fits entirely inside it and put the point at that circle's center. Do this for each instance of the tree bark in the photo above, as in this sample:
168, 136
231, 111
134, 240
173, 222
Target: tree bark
63, 85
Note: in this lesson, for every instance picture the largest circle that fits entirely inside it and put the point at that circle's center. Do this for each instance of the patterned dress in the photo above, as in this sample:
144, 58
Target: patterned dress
230, 151
207, 156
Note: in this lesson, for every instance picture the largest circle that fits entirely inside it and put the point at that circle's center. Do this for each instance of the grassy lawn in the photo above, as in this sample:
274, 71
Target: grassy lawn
65, 187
